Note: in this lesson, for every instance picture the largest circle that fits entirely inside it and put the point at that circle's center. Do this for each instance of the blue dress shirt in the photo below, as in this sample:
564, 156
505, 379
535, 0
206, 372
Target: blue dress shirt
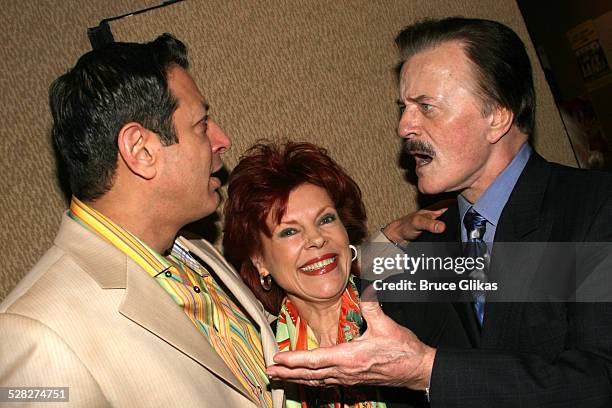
494, 199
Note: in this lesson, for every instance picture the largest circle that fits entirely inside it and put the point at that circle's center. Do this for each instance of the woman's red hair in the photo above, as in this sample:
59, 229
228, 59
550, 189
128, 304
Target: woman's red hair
261, 183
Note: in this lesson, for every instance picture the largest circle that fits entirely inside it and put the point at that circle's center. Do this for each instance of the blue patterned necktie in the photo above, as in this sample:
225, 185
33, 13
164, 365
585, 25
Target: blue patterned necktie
475, 226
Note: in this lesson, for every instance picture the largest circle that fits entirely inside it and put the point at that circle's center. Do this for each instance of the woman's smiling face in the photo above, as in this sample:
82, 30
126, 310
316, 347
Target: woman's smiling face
308, 254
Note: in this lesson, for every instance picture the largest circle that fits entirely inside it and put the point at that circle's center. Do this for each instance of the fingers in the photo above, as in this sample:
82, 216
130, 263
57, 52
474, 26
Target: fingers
369, 295
380, 326
426, 220
370, 308
313, 378
410, 226
313, 359
316, 368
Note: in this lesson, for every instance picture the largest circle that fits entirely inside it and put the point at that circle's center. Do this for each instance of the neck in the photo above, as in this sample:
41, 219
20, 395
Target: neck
501, 156
140, 217
322, 317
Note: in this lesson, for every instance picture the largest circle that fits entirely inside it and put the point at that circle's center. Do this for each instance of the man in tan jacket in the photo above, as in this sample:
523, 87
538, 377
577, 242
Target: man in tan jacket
119, 310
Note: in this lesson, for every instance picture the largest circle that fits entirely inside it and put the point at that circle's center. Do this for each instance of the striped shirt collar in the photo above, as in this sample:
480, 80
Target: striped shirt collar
148, 259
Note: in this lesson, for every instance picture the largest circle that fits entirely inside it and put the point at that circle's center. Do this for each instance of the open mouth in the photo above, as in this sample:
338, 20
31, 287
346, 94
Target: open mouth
320, 265
217, 176
422, 152
422, 158
215, 182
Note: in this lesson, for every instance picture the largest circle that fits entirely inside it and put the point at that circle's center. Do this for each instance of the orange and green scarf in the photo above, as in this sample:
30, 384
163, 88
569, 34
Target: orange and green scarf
293, 333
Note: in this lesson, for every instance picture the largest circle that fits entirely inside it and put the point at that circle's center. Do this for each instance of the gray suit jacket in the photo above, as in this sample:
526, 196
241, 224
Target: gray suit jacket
89, 318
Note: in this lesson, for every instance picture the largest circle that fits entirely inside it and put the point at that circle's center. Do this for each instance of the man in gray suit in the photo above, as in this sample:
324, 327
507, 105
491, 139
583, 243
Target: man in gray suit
119, 310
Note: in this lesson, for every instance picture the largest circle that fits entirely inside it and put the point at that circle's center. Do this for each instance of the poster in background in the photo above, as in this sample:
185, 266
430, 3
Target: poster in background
587, 45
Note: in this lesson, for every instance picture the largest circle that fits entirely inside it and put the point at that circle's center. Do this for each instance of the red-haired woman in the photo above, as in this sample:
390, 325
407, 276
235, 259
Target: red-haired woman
290, 220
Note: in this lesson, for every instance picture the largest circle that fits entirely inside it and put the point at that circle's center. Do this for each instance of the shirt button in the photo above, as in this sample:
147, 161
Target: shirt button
168, 274
196, 289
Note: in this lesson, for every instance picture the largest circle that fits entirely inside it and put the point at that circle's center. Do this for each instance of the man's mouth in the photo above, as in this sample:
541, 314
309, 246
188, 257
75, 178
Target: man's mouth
215, 176
422, 158
320, 265
422, 152
214, 182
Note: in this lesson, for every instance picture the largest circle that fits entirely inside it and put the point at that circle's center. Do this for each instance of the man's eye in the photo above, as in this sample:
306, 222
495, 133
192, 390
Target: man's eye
327, 218
287, 232
426, 107
401, 107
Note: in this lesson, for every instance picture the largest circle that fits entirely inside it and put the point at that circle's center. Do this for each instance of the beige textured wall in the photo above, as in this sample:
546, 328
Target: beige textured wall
313, 70
321, 71
41, 39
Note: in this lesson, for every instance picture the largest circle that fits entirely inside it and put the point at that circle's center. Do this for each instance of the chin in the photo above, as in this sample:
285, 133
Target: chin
326, 296
326, 291
208, 209
425, 188
430, 188
334, 290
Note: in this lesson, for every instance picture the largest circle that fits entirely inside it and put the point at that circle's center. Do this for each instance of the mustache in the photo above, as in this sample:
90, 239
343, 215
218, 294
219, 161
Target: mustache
413, 145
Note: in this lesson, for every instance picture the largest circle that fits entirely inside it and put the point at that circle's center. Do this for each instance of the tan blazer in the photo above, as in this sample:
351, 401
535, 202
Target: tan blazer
89, 318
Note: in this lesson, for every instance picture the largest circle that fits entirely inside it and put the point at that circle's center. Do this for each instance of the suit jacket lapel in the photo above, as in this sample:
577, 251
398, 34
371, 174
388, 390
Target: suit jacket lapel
148, 305
522, 215
513, 262
234, 283
230, 278
144, 302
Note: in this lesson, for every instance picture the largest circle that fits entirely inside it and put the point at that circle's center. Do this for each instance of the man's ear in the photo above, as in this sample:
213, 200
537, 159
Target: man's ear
500, 122
139, 149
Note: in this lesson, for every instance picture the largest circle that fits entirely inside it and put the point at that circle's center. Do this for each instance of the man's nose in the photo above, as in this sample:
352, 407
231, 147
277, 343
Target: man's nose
220, 142
408, 122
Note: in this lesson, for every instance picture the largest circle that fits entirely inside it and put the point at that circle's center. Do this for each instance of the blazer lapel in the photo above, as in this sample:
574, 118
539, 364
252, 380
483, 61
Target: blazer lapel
513, 262
148, 305
522, 215
232, 281
145, 302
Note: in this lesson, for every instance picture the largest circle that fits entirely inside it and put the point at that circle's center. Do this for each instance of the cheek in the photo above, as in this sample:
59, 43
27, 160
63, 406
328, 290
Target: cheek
341, 237
342, 242
281, 259
465, 140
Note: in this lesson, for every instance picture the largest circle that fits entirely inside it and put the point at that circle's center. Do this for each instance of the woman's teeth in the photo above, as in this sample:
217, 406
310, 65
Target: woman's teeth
318, 265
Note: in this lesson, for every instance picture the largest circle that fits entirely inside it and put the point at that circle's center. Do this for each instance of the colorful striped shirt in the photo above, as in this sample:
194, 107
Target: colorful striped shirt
193, 288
